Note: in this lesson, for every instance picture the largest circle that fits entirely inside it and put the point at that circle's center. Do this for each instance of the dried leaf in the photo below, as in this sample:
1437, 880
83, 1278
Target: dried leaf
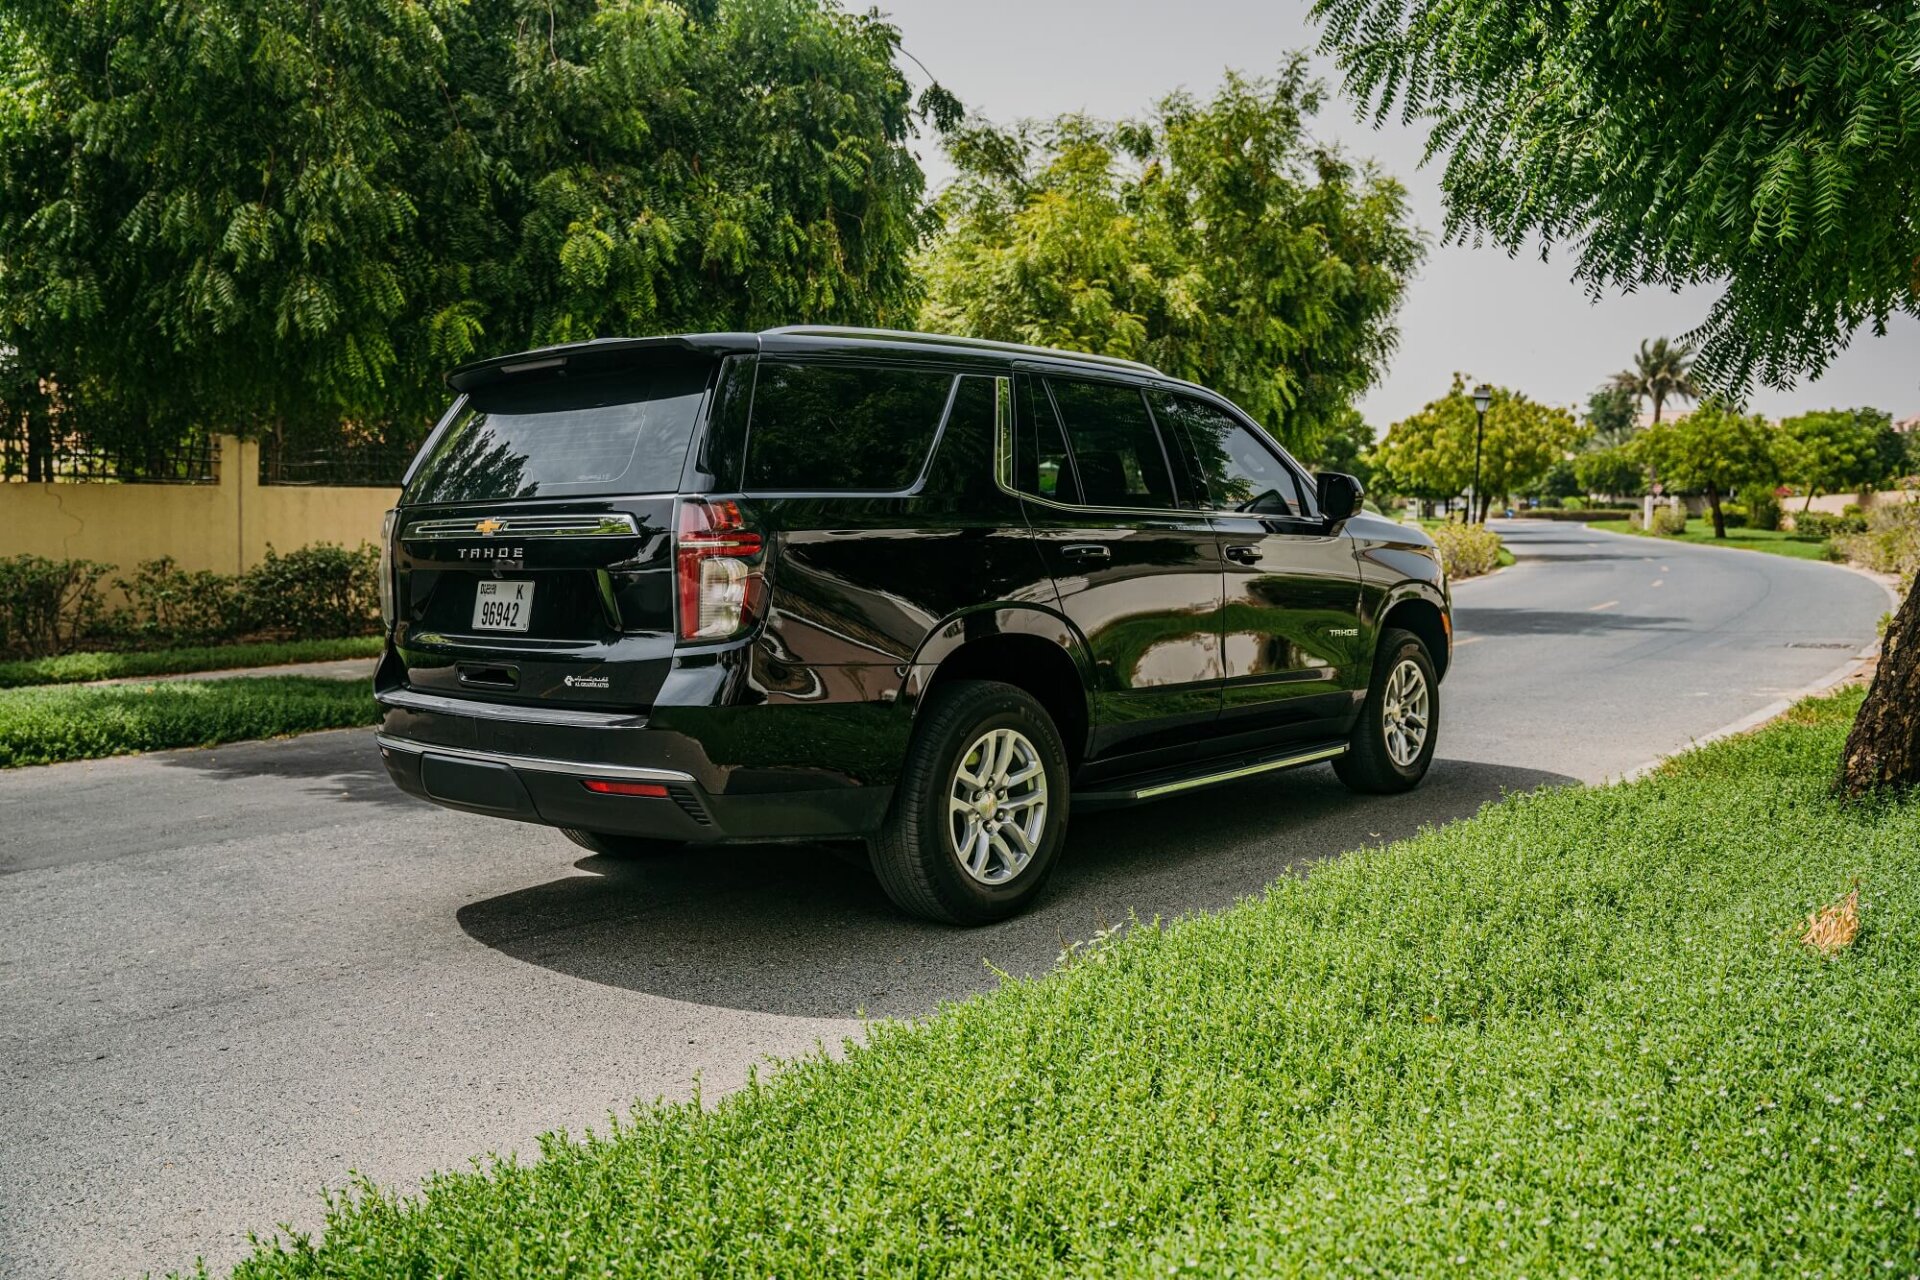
1834, 927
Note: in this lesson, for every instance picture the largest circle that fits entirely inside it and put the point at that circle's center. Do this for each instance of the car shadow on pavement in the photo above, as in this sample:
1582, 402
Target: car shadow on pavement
797, 929
1473, 620
341, 764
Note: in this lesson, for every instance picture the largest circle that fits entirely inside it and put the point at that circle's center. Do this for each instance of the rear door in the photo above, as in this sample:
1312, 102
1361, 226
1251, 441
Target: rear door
1291, 650
534, 548
1137, 575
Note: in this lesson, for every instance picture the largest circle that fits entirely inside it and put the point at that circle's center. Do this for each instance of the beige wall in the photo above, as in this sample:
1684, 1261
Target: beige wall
225, 527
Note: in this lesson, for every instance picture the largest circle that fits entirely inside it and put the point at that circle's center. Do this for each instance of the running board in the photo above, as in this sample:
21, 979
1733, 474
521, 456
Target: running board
1153, 786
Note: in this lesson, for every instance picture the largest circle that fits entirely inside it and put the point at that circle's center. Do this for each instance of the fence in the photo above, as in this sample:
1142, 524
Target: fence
224, 523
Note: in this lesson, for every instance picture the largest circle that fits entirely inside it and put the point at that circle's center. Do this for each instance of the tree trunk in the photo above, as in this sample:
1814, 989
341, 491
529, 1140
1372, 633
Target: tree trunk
1883, 749
1719, 518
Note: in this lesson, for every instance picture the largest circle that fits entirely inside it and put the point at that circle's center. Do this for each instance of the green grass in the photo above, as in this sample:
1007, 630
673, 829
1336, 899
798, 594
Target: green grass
1574, 1035
73, 668
53, 722
1772, 541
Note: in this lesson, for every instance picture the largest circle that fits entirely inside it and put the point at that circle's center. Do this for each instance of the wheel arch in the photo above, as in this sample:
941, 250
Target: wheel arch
1026, 646
1417, 607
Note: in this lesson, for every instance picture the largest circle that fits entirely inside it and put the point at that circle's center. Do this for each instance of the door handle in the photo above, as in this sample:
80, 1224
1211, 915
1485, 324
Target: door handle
1243, 553
1087, 551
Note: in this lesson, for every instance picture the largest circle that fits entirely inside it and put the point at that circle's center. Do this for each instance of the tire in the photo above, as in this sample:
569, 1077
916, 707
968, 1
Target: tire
615, 846
1012, 848
1376, 761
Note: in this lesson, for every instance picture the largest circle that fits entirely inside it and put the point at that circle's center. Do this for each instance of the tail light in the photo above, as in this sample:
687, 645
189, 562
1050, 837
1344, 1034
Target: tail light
389, 608
718, 564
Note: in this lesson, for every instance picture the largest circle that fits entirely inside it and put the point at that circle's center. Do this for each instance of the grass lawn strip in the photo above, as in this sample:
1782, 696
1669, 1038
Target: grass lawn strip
75, 668
1772, 541
81, 722
1574, 1035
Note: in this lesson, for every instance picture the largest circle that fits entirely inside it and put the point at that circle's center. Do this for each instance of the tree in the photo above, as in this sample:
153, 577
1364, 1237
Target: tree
1714, 450
1661, 371
1345, 447
1840, 450
278, 214
1216, 240
1613, 472
1768, 146
1610, 416
1430, 454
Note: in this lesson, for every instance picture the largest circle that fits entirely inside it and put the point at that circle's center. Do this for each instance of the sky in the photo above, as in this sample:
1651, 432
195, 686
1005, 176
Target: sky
1519, 322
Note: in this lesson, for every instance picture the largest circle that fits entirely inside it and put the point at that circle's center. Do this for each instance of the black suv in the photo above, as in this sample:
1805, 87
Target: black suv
929, 592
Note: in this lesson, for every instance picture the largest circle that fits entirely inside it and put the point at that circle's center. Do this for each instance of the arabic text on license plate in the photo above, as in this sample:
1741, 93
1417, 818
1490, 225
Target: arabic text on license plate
500, 605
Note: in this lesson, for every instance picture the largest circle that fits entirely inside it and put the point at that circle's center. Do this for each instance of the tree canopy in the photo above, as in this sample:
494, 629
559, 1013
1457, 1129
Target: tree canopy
1840, 450
267, 212
1772, 146
1430, 454
1217, 240
1713, 450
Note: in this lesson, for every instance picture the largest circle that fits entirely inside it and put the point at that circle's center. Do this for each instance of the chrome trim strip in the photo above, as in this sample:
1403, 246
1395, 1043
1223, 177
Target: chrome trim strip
535, 764
1266, 766
413, 700
616, 525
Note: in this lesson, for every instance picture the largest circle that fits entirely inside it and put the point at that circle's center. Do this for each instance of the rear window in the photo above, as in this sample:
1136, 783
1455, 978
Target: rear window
557, 438
822, 427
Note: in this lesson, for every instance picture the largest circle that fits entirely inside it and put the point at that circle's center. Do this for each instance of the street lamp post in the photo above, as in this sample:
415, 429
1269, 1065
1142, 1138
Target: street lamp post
1482, 397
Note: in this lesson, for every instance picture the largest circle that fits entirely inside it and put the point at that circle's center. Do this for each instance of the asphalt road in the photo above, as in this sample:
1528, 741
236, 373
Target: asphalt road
231, 978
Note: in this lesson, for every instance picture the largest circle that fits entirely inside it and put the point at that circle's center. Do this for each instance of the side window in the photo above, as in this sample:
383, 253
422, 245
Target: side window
1116, 451
1241, 472
1041, 466
842, 427
962, 471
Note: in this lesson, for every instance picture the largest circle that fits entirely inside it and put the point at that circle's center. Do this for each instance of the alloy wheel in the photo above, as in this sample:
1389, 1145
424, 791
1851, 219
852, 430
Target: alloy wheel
997, 806
1404, 712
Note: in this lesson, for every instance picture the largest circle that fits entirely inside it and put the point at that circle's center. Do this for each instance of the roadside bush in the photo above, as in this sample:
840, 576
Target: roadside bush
47, 605
1667, 522
1734, 515
1583, 514
1467, 549
1890, 543
1763, 507
316, 592
1573, 502
169, 605
1821, 524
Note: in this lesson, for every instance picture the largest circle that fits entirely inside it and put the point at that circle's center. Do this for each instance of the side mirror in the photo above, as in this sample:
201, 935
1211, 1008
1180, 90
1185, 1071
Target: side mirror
1338, 494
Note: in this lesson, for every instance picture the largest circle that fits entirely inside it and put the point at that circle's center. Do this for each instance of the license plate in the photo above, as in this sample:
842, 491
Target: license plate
500, 605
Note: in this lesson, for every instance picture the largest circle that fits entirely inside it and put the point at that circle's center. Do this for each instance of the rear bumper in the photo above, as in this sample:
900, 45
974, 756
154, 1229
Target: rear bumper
553, 792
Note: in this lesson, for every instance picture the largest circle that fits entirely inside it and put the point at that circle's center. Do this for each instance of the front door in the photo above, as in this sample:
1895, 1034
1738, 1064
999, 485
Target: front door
1291, 652
1136, 574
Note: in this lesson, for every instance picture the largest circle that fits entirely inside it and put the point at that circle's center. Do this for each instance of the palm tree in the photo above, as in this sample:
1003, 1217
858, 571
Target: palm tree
1661, 371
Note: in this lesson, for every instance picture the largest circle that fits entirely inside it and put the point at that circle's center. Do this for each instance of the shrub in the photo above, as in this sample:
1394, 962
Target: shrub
1573, 502
1763, 507
1890, 543
1467, 549
47, 605
317, 592
1733, 515
1820, 524
1668, 521
168, 605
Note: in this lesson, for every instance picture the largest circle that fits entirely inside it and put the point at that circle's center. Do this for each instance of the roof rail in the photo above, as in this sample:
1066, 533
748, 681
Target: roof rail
950, 340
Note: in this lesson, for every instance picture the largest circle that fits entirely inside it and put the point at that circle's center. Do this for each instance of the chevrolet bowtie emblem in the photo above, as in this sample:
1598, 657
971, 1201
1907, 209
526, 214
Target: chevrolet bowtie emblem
487, 527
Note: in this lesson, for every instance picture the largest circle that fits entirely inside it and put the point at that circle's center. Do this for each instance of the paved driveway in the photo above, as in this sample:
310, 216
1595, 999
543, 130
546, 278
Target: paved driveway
230, 978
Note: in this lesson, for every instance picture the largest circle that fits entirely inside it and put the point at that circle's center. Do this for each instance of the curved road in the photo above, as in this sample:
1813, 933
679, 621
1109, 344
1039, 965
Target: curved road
228, 978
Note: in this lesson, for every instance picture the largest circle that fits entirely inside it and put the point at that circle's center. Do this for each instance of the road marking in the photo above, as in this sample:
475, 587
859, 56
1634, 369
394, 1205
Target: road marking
1467, 640
1605, 604
1664, 569
1659, 582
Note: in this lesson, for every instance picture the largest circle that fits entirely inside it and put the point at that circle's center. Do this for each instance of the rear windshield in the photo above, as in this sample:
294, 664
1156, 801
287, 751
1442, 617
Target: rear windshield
558, 438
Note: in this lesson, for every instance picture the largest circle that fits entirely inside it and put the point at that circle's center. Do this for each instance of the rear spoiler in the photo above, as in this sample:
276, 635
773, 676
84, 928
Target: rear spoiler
601, 355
